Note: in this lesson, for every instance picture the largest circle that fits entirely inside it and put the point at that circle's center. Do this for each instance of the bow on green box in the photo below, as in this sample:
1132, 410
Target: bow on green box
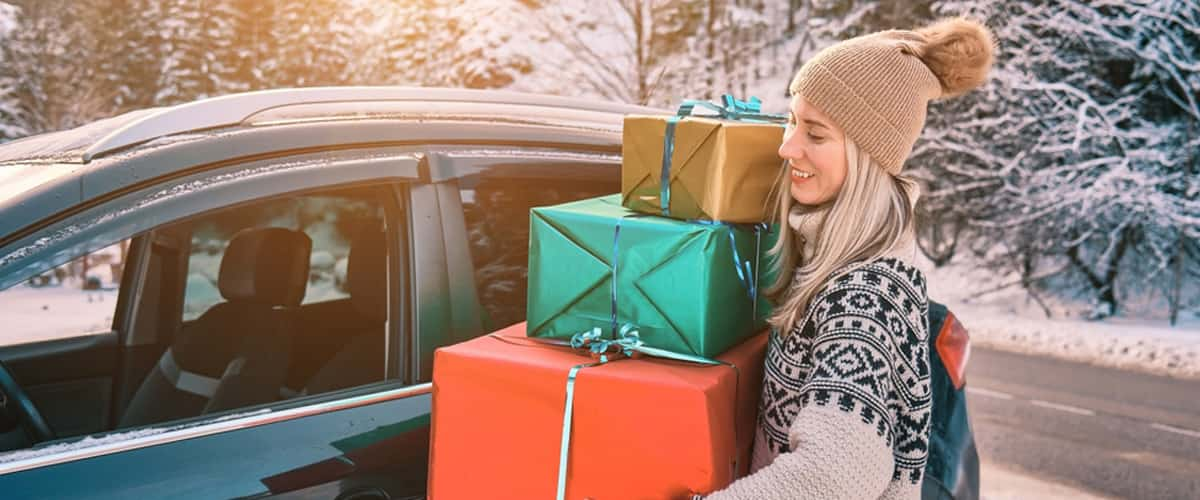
687, 287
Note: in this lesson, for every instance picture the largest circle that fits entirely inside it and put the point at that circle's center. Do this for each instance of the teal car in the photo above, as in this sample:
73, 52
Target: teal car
240, 297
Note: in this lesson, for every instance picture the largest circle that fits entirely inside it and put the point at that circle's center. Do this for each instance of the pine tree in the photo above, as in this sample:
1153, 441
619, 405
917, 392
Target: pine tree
198, 56
251, 56
408, 43
47, 64
312, 44
12, 116
125, 56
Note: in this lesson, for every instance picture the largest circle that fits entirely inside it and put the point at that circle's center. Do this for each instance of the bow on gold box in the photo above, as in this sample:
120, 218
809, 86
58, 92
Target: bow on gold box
719, 167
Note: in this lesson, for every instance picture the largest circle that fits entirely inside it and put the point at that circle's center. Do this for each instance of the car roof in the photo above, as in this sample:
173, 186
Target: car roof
85, 143
43, 175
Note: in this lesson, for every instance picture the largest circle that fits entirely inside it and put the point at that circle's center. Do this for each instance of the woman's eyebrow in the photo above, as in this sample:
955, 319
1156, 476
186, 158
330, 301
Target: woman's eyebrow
814, 123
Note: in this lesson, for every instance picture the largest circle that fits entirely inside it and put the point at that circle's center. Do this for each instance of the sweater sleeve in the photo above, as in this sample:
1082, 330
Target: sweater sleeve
841, 438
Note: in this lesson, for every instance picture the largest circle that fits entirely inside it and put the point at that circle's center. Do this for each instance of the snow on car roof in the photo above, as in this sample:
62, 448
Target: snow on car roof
81, 144
66, 146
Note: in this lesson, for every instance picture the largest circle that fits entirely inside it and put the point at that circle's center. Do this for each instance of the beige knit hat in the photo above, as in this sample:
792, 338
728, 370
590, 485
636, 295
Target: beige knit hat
876, 86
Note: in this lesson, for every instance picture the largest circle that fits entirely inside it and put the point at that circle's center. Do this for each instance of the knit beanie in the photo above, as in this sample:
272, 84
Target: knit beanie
877, 86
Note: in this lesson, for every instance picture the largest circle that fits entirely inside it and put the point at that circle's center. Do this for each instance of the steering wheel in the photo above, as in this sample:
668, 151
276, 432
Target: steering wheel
15, 406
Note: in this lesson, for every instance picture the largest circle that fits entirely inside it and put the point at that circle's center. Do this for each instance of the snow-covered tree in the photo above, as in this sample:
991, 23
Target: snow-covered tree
442, 43
250, 55
312, 43
198, 55
47, 68
1060, 164
124, 57
11, 115
654, 51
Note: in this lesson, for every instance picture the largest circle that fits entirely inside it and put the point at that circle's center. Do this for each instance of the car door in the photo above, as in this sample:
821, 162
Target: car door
349, 438
60, 341
497, 188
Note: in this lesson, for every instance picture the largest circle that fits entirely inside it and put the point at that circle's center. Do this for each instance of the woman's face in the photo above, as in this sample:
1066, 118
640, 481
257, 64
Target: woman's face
815, 150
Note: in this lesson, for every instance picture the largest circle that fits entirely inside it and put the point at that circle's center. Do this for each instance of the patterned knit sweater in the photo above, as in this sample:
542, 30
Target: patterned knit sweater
846, 398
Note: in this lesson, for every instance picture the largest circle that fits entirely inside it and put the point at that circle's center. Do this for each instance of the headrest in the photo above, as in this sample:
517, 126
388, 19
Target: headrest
366, 272
266, 265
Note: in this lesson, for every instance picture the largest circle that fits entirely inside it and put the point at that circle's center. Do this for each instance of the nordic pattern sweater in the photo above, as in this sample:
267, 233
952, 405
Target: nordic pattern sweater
845, 404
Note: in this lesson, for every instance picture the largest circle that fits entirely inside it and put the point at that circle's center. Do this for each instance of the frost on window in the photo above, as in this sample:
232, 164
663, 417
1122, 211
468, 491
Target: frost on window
71, 300
329, 220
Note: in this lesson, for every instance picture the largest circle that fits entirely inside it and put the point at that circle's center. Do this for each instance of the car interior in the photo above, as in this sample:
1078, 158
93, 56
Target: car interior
284, 322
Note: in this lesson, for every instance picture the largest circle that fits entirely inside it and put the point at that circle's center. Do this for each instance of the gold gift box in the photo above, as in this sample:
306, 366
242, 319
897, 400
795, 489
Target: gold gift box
720, 169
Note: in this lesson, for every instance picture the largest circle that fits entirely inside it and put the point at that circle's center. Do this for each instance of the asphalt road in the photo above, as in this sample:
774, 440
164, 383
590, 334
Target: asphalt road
1115, 433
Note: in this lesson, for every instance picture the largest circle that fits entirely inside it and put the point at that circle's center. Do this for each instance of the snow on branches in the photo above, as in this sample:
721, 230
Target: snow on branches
1081, 149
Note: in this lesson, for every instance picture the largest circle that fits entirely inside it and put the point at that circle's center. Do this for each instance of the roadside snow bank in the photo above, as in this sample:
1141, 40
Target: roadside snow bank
1006, 318
1115, 343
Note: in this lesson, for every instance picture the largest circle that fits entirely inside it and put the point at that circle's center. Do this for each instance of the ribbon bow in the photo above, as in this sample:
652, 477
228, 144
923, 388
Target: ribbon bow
626, 345
752, 106
730, 108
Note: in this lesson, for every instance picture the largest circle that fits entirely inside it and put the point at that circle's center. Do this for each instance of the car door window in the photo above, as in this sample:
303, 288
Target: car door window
75, 299
230, 344
329, 336
329, 220
496, 207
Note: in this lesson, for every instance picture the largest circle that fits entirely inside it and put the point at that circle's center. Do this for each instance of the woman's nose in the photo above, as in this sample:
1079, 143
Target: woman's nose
791, 147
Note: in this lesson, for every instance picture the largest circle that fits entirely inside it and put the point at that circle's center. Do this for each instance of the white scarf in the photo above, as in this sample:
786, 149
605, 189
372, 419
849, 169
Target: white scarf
806, 222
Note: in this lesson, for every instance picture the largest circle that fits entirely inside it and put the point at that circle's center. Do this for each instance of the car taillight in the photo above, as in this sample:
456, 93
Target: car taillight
954, 346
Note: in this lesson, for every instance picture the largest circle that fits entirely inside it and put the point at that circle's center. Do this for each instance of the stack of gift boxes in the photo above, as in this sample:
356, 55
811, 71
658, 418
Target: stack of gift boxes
637, 372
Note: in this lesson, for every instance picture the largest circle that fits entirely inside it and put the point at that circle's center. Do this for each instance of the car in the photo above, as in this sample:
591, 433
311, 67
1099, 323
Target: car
216, 362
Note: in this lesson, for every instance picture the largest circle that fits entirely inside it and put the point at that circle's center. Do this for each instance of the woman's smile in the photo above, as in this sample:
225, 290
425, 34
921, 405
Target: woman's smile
800, 176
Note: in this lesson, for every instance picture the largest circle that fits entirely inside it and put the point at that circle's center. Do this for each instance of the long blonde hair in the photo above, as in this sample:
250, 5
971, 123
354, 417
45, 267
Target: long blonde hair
872, 214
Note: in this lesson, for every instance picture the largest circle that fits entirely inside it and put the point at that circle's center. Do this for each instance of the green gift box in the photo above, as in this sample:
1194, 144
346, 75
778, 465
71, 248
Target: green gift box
686, 286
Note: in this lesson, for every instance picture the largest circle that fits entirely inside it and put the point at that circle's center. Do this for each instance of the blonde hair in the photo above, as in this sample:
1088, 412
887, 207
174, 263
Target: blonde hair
872, 214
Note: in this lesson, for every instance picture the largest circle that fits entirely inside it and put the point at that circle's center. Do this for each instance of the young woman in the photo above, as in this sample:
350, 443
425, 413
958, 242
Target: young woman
845, 407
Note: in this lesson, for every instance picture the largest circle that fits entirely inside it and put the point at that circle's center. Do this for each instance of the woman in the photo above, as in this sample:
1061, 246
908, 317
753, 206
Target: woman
845, 407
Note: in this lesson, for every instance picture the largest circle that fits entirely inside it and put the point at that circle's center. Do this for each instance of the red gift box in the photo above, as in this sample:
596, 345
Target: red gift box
642, 428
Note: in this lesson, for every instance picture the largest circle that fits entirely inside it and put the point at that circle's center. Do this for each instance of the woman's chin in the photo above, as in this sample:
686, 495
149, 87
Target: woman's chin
805, 196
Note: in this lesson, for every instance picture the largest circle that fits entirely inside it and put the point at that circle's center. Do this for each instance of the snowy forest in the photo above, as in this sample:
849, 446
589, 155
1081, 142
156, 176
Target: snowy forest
1075, 169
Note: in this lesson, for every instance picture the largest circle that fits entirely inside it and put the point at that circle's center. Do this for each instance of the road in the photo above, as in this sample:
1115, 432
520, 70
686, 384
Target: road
1113, 433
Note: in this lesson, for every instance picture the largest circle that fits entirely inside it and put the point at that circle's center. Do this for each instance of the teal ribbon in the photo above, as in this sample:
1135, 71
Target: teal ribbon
616, 260
604, 351
568, 412
733, 109
729, 109
664, 186
748, 273
627, 344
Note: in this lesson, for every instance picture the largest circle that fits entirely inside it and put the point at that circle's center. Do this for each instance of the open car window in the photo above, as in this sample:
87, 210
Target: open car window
232, 308
73, 299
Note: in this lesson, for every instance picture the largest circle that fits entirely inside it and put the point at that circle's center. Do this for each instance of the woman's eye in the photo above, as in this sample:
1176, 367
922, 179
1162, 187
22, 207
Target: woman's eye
815, 138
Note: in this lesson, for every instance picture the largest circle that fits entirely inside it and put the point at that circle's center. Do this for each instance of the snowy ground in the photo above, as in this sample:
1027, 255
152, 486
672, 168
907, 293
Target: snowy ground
29, 314
1002, 483
1011, 321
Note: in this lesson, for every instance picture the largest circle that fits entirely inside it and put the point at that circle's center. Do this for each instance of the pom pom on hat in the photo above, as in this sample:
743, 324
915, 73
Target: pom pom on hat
959, 53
